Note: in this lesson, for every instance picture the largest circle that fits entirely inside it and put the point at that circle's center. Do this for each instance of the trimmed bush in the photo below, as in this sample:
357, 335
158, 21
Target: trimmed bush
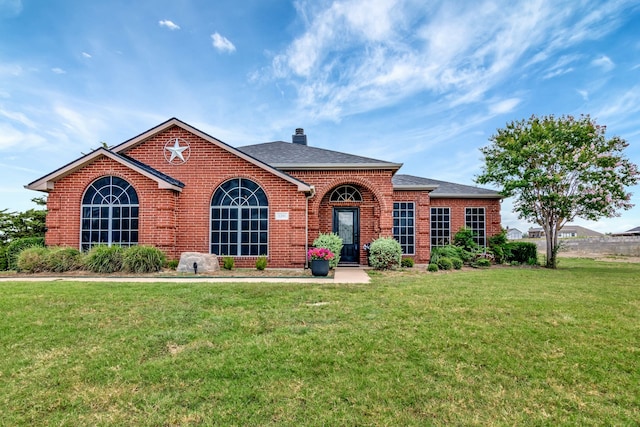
481, 263
385, 253
104, 259
522, 252
432, 268
261, 263
143, 259
61, 259
445, 263
172, 264
457, 263
15, 247
407, 262
32, 260
228, 263
333, 242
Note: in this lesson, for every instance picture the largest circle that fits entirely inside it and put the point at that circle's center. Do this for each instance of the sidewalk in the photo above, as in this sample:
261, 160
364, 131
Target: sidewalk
342, 275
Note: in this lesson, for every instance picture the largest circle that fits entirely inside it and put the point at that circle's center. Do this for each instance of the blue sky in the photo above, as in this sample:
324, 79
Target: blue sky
424, 83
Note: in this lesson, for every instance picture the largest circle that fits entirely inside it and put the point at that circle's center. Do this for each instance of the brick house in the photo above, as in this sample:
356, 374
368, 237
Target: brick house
179, 189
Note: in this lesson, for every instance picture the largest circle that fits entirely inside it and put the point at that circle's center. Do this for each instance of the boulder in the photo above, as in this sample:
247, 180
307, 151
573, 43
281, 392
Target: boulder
207, 263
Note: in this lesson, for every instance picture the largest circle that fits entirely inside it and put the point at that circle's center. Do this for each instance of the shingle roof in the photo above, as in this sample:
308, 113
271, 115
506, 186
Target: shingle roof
152, 171
47, 182
289, 156
442, 189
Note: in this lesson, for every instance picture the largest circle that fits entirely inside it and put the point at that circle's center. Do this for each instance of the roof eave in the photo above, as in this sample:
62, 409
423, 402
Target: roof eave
47, 182
415, 187
337, 166
465, 196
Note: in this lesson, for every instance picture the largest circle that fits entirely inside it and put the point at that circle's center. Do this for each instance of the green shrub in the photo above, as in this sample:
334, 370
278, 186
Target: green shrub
449, 251
261, 262
464, 239
16, 246
457, 263
228, 263
385, 253
32, 260
481, 263
432, 267
333, 242
445, 263
3, 258
104, 259
143, 259
61, 259
522, 252
498, 247
407, 262
172, 264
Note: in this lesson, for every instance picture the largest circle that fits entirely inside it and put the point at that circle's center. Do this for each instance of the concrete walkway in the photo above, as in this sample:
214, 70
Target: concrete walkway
342, 275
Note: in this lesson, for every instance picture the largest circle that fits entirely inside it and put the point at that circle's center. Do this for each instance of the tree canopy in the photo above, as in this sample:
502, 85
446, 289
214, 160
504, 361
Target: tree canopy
558, 169
15, 225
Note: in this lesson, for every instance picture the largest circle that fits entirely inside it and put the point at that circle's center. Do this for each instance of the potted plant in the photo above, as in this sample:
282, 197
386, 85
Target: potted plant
320, 258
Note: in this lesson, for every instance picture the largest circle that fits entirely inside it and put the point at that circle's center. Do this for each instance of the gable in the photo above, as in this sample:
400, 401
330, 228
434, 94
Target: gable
167, 128
47, 182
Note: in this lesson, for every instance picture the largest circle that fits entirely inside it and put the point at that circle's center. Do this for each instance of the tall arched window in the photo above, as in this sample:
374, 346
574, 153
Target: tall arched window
346, 193
239, 219
109, 213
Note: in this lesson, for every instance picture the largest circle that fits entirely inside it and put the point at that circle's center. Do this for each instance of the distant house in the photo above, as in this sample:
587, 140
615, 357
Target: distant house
514, 234
632, 232
566, 232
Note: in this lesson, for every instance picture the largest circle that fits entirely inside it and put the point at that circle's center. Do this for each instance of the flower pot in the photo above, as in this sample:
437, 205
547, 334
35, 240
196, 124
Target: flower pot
319, 267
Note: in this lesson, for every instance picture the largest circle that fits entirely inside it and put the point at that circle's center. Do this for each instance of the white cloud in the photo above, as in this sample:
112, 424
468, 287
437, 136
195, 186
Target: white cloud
168, 24
18, 117
86, 55
221, 43
504, 106
57, 70
584, 94
10, 70
603, 62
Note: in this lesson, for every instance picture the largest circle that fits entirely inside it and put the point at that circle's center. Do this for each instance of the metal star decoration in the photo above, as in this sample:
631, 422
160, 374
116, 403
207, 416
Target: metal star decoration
176, 151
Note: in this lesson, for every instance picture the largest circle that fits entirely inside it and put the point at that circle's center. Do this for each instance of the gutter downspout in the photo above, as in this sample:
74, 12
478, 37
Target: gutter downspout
306, 226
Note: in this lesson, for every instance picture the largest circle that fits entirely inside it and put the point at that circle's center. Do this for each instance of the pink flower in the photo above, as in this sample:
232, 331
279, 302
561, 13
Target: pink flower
320, 253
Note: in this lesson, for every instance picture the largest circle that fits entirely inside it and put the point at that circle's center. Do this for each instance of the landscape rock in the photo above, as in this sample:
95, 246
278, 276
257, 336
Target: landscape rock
207, 263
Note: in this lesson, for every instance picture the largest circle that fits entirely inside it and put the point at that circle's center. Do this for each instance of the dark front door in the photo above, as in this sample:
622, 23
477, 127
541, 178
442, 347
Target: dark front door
346, 224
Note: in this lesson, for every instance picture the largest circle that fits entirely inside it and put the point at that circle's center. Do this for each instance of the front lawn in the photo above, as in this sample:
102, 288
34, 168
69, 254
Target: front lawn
504, 346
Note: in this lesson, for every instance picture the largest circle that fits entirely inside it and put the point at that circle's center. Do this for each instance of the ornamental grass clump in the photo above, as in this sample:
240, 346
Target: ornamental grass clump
261, 263
32, 260
104, 259
60, 259
385, 253
143, 259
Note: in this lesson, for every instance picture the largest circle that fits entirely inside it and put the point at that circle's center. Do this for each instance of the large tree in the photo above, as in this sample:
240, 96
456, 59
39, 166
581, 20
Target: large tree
15, 225
558, 169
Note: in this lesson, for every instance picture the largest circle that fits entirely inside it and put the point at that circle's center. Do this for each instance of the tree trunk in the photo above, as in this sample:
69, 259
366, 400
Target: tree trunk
551, 235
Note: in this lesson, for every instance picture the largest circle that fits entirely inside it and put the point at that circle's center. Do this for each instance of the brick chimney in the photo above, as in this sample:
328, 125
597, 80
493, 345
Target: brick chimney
299, 137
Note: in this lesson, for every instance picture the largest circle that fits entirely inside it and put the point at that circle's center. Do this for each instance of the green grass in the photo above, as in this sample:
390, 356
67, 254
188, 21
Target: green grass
507, 346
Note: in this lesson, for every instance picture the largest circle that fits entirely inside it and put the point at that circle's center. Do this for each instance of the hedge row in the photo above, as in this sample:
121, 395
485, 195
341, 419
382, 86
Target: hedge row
100, 259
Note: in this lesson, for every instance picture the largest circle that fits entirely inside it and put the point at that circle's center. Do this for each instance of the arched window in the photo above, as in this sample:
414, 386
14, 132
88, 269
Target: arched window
239, 219
109, 213
346, 193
